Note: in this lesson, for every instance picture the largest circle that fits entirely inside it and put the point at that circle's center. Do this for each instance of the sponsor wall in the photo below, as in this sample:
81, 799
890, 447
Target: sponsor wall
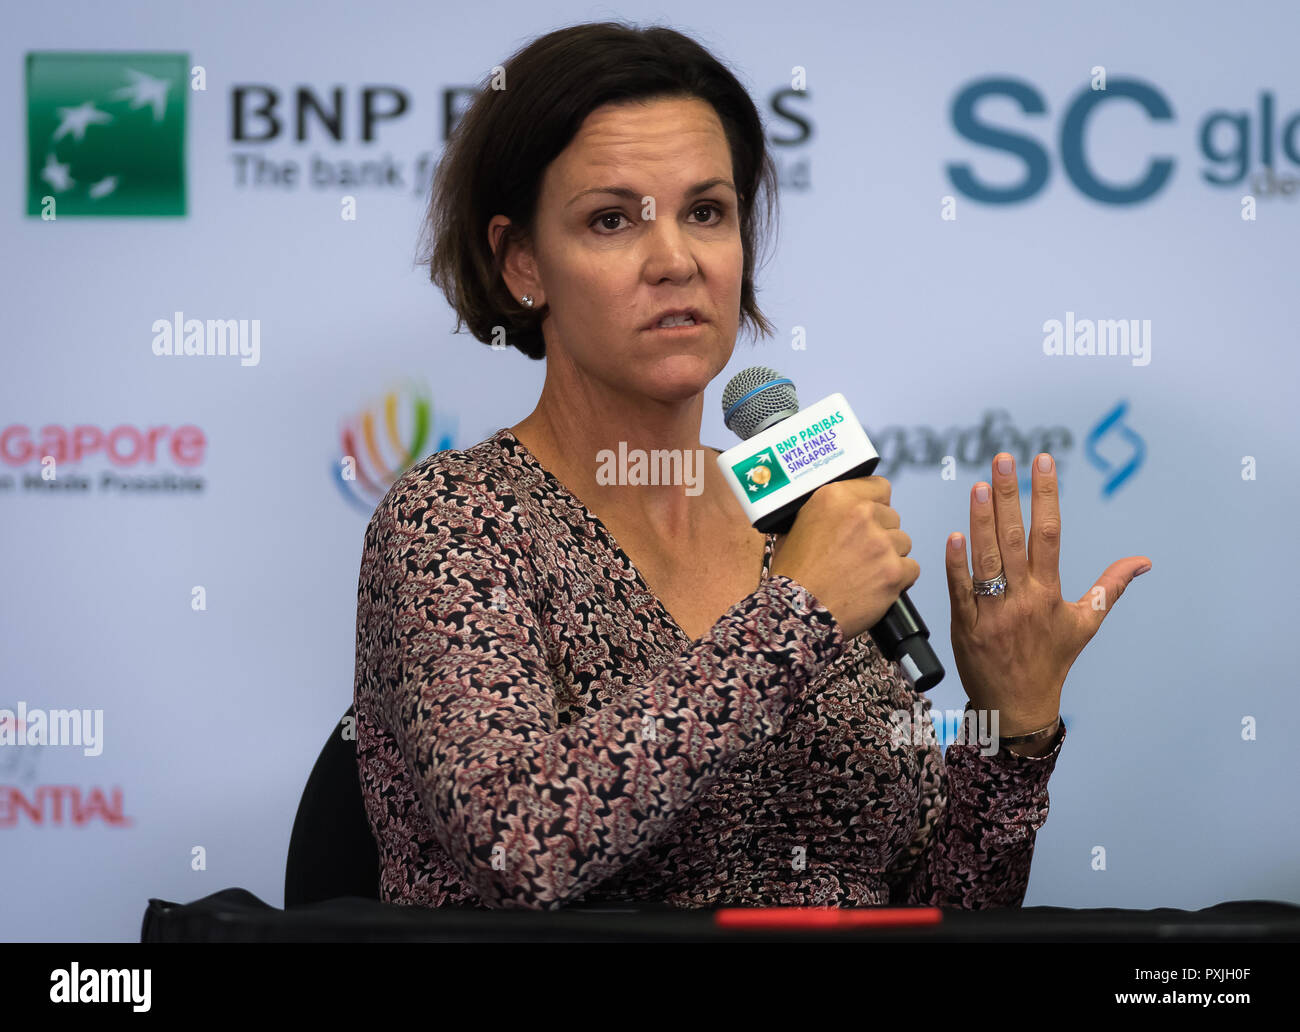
965, 209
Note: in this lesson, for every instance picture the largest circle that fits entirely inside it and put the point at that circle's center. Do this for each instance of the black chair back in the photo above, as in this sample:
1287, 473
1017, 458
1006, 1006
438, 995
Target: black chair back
332, 852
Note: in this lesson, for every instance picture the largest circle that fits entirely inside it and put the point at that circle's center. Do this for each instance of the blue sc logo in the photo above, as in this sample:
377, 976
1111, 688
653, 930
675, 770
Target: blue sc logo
1117, 437
1262, 144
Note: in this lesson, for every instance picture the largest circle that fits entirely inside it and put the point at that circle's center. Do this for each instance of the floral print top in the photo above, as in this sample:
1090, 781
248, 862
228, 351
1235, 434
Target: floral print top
534, 729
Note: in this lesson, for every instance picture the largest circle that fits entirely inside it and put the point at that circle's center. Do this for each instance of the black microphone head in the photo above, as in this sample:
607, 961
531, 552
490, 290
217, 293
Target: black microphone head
755, 398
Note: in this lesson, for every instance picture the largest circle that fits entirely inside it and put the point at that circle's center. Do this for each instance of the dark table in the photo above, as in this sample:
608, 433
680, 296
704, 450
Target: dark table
236, 915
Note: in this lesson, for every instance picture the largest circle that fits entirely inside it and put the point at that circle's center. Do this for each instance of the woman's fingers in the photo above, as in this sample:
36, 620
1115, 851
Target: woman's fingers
960, 590
1096, 603
1045, 529
985, 554
1010, 525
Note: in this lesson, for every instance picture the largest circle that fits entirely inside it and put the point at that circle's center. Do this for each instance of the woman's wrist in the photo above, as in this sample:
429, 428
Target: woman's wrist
1034, 743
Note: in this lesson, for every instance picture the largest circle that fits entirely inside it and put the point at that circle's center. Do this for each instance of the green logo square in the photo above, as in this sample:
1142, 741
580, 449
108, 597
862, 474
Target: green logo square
761, 474
106, 133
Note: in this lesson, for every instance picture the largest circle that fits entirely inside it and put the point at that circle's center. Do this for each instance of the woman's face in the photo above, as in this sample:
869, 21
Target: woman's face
608, 263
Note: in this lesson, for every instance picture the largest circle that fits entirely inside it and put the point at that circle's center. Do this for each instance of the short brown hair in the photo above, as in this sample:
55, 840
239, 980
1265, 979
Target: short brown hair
499, 151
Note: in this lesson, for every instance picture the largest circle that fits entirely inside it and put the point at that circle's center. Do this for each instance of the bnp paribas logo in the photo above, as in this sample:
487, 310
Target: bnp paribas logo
106, 134
761, 474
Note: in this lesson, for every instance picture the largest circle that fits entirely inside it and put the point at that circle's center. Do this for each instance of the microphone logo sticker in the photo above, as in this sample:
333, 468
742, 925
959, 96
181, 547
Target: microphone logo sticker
761, 474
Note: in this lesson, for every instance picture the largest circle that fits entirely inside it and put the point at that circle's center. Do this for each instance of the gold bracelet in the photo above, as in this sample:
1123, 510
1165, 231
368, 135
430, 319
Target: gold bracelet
1042, 732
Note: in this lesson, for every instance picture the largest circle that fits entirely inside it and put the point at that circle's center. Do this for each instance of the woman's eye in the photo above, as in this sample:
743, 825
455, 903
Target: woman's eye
608, 215
603, 220
713, 208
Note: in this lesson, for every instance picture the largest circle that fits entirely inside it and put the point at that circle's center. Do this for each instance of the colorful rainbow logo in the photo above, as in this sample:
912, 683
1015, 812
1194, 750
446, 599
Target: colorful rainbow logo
372, 451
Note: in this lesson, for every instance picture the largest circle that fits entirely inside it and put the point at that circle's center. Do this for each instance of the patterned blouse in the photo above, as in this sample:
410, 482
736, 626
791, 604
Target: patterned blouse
534, 729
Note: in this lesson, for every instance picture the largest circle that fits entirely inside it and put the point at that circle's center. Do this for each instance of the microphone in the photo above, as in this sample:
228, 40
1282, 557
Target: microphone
785, 455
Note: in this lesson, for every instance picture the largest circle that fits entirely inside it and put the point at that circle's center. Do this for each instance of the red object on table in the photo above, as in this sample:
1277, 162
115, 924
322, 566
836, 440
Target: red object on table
825, 917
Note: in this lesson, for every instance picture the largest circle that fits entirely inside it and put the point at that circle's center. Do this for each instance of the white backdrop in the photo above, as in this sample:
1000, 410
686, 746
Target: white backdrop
931, 326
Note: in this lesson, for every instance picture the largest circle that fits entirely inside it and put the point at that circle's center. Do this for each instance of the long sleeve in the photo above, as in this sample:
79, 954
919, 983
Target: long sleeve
978, 822
533, 813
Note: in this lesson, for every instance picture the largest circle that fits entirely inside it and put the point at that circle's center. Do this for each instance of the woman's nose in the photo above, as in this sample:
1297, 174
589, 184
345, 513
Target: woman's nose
671, 255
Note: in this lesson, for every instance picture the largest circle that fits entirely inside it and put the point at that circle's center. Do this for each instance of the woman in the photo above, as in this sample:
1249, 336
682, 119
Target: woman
575, 690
